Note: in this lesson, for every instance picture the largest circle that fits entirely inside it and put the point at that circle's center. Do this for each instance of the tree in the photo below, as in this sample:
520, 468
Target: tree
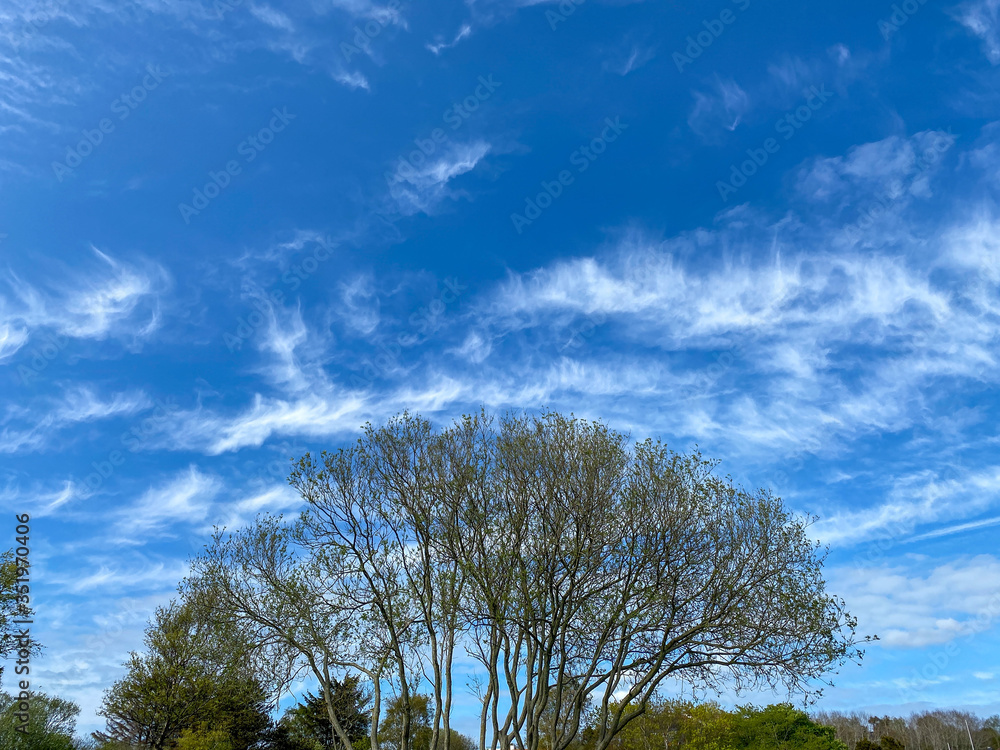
194, 686
672, 724
51, 721
305, 607
676, 725
14, 605
594, 566
850, 728
781, 727
420, 722
310, 720
280, 737
989, 734
421, 732
580, 570
930, 730
553, 718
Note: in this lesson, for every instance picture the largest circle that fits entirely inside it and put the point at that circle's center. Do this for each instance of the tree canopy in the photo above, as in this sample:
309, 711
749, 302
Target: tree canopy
50, 723
581, 570
676, 724
192, 687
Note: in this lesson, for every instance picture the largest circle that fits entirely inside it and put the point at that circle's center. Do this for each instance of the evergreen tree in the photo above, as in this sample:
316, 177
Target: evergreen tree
310, 721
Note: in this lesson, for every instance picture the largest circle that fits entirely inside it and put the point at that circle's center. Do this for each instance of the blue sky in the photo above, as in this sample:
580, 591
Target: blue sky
232, 232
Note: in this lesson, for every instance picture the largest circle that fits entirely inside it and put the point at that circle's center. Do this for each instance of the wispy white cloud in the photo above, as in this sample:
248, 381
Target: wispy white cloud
439, 47
721, 109
78, 405
46, 500
359, 308
633, 58
794, 312
119, 299
352, 79
272, 17
915, 500
956, 529
419, 189
897, 166
276, 499
981, 18
81, 404
800, 322
186, 498
11, 338
311, 415
285, 332
112, 578
54, 501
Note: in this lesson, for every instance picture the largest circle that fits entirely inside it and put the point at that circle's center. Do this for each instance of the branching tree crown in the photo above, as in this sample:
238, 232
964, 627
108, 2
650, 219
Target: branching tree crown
579, 569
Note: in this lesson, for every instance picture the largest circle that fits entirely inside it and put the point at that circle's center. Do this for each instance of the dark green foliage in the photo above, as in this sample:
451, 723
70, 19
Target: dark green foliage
781, 727
679, 725
885, 743
280, 737
310, 722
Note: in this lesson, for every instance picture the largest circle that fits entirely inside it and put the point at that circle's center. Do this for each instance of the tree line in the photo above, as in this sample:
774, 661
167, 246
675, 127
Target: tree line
667, 724
928, 730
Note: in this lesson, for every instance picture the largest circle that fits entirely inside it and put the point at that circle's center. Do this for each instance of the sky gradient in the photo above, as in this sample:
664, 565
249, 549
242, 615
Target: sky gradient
234, 231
